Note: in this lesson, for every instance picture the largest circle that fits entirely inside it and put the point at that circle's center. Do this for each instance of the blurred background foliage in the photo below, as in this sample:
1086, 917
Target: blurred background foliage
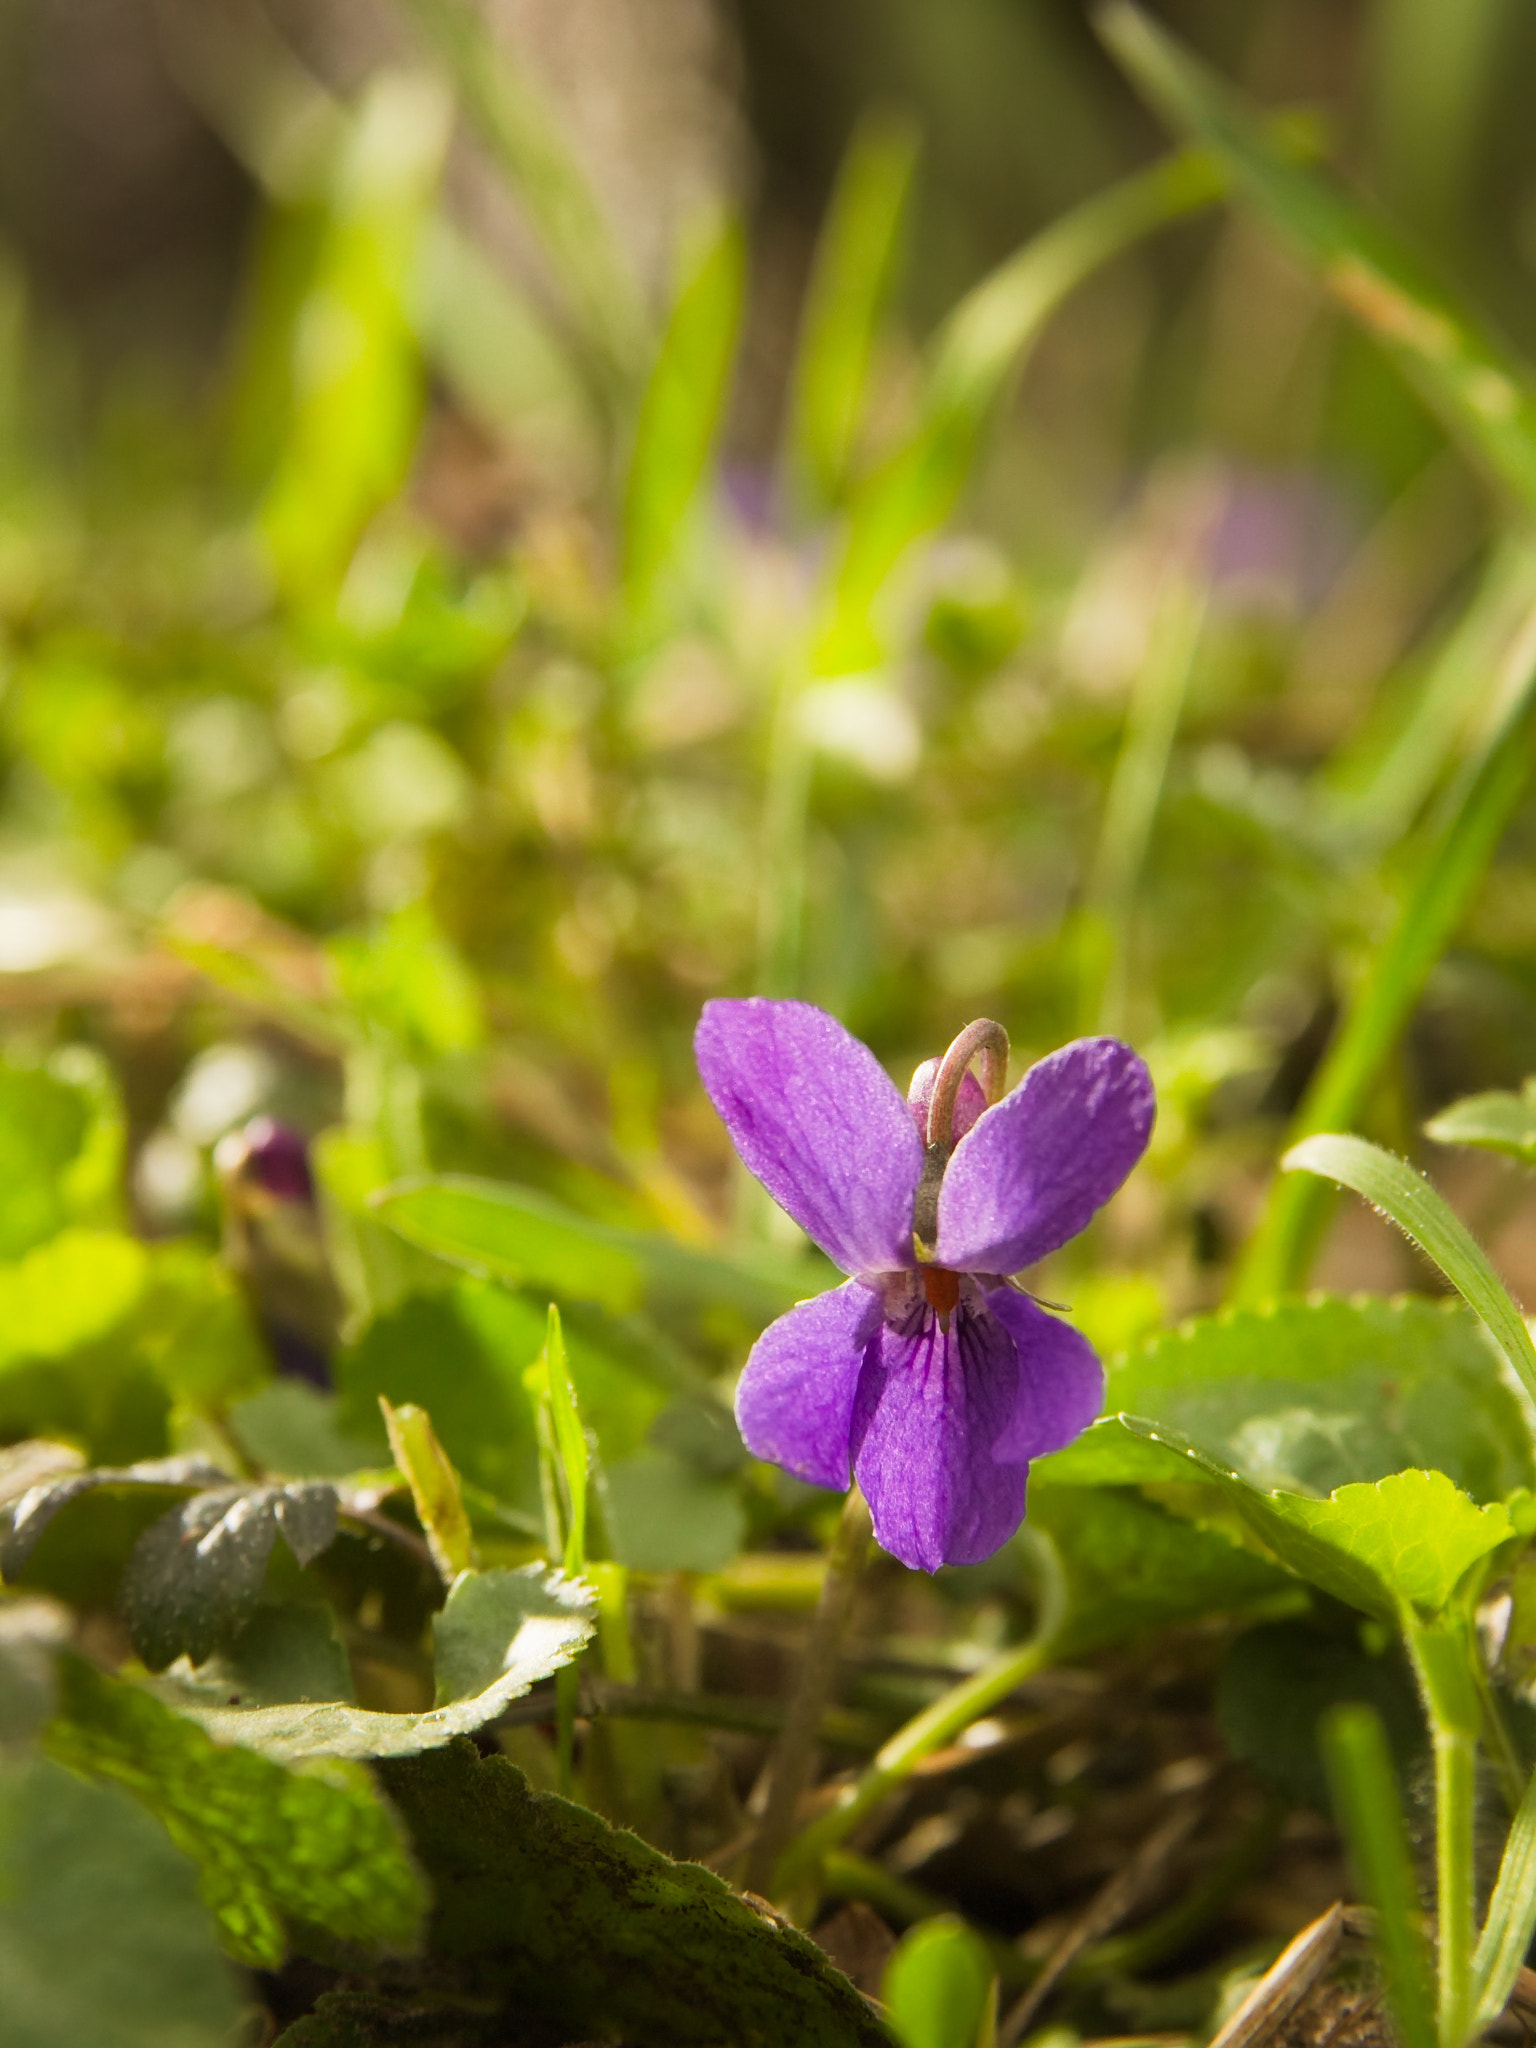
449, 563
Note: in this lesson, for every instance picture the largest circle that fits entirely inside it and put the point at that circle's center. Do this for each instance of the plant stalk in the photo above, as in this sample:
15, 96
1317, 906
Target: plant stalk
790, 1769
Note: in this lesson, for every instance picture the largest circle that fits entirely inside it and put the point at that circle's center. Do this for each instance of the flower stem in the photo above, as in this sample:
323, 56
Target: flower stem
1441, 1656
936, 1725
788, 1774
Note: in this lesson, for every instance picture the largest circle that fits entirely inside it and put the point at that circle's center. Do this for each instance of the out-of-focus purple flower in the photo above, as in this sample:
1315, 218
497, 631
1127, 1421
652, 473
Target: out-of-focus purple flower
271, 1156
928, 1373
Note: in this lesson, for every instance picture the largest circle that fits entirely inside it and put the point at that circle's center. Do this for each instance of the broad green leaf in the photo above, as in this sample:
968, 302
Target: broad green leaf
61, 1147
272, 1844
1481, 390
850, 282
155, 1479
543, 1905
194, 1577
434, 1487
523, 1236
103, 1938
193, 1328
1277, 1681
1403, 1542
283, 1656
1423, 1215
681, 411
1496, 1122
666, 1515
518, 1235
546, 1621
937, 1986
1311, 1395
293, 1429
1128, 1565
485, 1613
67, 1293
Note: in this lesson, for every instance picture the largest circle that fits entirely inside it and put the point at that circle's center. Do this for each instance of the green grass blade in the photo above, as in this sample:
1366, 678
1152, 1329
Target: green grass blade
1511, 1918
1423, 1215
976, 353
570, 1442
856, 263
1483, 393
1365, 1799
1458, 841
600, 293
681, 411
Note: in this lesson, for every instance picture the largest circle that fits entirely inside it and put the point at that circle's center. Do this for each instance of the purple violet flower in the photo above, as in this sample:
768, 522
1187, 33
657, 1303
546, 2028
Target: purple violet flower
928, 1372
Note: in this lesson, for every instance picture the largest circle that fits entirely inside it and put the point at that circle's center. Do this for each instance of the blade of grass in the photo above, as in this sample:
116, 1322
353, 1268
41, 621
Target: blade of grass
976, 353
1457, 843
1130, 804
434, 1487
1483, 393
564, 1470
1365, 1799
681, 410
1424, 1216
855, 266
600, 294
1511, 1922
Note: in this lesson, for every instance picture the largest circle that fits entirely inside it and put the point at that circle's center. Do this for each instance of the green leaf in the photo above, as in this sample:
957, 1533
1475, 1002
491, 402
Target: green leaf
665, 1515
1405, 1541
194, 1577
850, 283
1311, 1395
103, 1938
434, 1487
523, 1236
1423, 1215
547, 1908
1496, 1122
284, 1656
67, 1293
292, 1428
938, 1985
1481, 390
546, 1621
681, 411
407, 977
1128, 1565
61, 1149
1278, 1680
273, 1845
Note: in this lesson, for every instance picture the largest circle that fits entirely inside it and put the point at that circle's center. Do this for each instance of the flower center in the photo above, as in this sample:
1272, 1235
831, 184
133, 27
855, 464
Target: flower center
942, 1289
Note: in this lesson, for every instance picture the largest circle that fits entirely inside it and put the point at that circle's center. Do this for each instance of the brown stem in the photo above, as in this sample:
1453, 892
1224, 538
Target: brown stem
789, 1770
987, 1044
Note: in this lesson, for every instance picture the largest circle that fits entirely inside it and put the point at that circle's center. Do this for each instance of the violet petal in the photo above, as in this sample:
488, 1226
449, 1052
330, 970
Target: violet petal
819, 1121
794, 1401
1061, 1381
969, 1100
931, 1407
1040, 1162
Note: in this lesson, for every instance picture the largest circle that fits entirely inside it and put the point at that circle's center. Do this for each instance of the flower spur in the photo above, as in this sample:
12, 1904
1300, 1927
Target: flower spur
928, 1374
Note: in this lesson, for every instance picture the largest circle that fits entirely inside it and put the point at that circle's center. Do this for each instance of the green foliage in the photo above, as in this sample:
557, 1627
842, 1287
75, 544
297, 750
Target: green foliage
499, 1631
938, 1985
103, 1937
1312, 1395
545, 1908
274, 1847
1495, 1122
61, 1147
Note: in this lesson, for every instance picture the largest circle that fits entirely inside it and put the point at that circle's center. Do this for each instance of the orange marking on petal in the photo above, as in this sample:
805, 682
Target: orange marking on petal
942, 1288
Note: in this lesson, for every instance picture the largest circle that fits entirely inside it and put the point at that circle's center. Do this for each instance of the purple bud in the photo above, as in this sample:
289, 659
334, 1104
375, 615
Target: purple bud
273, 1156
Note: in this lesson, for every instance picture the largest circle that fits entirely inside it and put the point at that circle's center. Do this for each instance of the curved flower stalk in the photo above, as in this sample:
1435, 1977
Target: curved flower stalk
929, 1375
